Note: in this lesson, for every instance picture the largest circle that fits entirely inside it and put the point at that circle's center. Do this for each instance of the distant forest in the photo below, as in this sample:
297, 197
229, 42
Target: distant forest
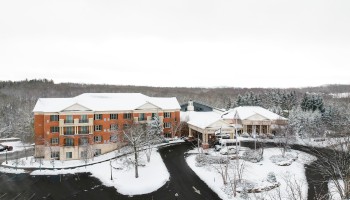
17, 99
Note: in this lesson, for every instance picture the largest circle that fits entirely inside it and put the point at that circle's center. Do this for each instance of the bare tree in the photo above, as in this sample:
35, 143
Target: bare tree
334, 163
153, 135
139, 136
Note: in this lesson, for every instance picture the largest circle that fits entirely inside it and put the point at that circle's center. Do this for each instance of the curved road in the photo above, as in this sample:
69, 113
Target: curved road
184, 184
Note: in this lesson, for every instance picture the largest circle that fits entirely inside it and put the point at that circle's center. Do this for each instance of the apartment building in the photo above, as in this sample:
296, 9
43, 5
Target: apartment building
91, 124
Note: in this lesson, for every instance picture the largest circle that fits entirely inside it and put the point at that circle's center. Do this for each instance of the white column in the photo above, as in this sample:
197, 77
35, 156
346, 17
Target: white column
189, 132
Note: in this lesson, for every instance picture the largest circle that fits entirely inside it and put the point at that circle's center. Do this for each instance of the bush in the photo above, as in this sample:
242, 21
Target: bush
271, 177
253, 156
202, 160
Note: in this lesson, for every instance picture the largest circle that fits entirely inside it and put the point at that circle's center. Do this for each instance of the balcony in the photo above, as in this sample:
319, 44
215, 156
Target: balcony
69, 144
76, 122
83, 121
69, 133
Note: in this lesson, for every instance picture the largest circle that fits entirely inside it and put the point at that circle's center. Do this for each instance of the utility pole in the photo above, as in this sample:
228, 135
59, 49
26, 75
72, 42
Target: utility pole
6, 155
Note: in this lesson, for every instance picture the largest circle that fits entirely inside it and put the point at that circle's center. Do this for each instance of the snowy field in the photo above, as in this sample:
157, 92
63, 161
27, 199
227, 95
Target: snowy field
17, 146
292, 175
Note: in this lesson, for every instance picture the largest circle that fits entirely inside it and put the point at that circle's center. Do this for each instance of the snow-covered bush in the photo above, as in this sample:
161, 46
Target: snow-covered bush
253, 156
202, 160
287, 160
271, 177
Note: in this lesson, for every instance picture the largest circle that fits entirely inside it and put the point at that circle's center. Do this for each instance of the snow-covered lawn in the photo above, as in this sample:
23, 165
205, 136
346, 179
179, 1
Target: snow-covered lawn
292, 175
17, 146
123, 172
31, 162
123, 175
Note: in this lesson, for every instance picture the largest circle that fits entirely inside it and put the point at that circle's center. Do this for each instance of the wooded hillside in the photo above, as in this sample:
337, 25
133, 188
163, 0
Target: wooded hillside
17, 99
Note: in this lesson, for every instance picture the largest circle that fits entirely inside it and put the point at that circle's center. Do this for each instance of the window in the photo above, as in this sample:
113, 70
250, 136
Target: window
69, 119
154, 115
113, 116
84, 130
98, 127
54, 129
167, 135
98, 138
54, 140
55, 154
98, 116
54, 118
83, 119
127, 116
69, 155
69, 142
114, 127
142, 117
113, 138
84, 141
167, 115
69, 131
167, 125
126, 125
97, 152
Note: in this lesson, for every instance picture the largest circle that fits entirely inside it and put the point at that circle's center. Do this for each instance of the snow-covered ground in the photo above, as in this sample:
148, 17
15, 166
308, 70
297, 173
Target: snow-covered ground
292, 175
123, 172
17, 146
123, 175
334, 193
340, 95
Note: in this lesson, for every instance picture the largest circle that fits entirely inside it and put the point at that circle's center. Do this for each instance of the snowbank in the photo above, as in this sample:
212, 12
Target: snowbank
17, 146
257, 172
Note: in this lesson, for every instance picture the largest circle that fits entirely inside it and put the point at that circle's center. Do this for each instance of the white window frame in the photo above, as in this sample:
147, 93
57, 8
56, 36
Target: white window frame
114, 127
98, 116
98, 127
113, 116
54, 140
167, 115
167, 125
127, 116
98, 138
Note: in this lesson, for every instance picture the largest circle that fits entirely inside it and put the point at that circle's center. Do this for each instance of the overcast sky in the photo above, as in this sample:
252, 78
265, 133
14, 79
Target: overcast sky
233, 43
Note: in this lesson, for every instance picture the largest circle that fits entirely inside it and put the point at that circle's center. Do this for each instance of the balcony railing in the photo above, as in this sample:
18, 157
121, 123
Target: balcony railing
68, 133
83, 121
68, 121
83, 132
69, 144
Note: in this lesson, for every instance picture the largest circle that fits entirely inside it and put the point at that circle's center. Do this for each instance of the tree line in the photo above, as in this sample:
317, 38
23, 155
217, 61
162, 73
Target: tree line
18, 98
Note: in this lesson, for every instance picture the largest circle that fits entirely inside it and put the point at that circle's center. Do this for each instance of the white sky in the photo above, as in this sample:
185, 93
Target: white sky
239, 43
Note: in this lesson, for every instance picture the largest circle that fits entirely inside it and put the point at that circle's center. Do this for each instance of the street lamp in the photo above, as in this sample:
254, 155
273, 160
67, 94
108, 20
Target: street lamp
110, 163
6, 155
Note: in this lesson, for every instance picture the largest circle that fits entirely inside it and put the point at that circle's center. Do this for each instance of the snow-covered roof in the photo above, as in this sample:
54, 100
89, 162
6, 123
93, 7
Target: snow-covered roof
244, 112
105, 102
200, 119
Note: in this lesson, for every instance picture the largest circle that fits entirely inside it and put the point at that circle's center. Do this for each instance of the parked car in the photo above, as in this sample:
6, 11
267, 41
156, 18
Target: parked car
225, 143
228, 150
5, 147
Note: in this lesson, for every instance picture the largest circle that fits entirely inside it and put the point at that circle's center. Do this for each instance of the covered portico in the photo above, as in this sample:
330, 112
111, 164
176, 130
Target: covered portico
206, 133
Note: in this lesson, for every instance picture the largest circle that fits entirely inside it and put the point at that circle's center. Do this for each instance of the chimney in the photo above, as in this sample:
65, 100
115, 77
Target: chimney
190, 106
